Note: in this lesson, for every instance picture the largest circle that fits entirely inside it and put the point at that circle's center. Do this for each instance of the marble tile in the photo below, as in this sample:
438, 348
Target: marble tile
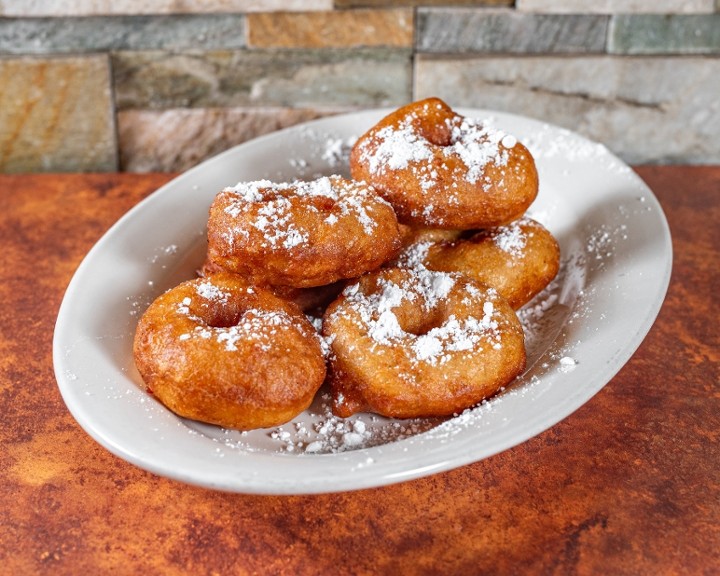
178, 139
646, 109
107, 7
500, 31
664, 34
58, 115
615, 6
293, 78
103, 33
337, 28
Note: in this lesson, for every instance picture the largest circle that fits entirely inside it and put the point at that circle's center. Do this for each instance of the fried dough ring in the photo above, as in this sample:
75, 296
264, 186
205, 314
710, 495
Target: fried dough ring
518, 259
301, 234
440, 169
411, 343
221, 351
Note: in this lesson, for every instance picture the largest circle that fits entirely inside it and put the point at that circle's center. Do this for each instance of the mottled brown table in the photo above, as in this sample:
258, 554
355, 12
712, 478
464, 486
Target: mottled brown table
629, 484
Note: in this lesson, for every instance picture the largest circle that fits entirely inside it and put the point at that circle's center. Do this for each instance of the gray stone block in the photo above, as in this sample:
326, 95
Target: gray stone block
295, 78
99, 34
494, 31
646, 109
664, 34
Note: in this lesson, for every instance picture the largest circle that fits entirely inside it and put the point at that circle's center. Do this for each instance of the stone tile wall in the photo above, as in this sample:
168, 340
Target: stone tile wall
159, 85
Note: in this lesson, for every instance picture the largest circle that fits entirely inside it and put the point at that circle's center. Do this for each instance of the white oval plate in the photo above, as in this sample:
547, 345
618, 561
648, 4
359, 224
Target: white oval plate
617, 259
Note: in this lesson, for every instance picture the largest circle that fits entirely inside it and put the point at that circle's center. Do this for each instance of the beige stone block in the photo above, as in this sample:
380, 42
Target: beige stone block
56, 115
386, 4
340, 28
178, 139
616, 6
110, 7
645, 109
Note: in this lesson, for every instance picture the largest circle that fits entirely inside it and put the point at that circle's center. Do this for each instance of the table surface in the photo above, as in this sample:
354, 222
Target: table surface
628, 484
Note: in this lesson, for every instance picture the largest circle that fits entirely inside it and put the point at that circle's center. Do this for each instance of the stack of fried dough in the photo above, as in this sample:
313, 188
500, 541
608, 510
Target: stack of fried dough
397, 288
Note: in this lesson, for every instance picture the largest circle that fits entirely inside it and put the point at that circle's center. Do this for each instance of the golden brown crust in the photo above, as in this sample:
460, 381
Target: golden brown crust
519, 259
410, 343
442, 170
410, 235
301, 234
312, 300
221, 351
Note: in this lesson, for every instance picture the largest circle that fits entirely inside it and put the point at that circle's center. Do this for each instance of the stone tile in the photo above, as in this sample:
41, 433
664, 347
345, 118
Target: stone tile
58, 115
646, 109
467, 30
178, 139
295, 78
664, 34
338, 28
98, 33
382, 4
107, 7
616, 6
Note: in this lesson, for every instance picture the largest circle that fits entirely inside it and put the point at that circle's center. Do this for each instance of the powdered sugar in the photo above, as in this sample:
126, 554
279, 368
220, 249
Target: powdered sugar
414, 255
248, 192
210, 291
319, 431
274, 210
511, 238
376, 311
437, 345
478, 145
398, 148
567, 364
255, 325
404, 147
262, 190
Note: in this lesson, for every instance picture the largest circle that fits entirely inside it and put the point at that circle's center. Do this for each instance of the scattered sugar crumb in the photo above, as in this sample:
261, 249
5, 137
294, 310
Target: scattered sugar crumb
567, 364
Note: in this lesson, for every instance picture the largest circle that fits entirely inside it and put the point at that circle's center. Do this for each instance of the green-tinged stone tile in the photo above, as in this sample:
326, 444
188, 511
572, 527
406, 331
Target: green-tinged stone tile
56, 115
296, 78
664, 34
645, 109
97, 33
505, 31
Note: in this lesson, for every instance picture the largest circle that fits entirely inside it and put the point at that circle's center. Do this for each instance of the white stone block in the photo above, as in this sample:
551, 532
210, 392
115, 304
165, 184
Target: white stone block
115, 7
617, 6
